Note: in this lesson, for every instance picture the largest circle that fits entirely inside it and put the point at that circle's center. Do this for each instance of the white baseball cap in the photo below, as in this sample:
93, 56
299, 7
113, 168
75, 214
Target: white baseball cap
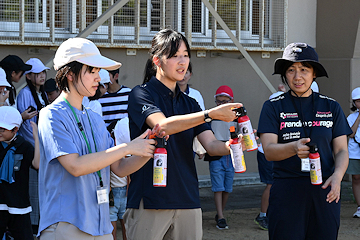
355, 94
37, 66
84, 51
3, 81
10, 117
104, 76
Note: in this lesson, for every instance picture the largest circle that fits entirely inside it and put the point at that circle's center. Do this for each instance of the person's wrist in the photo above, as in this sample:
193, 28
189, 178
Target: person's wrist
2, 103
207, 117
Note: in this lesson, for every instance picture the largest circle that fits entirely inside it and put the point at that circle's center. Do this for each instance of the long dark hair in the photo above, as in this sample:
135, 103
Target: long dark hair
39, 106
165, 43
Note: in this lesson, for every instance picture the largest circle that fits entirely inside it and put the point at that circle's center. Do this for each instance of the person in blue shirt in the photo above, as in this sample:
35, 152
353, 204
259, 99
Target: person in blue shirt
77, 150
297, 209
171, 212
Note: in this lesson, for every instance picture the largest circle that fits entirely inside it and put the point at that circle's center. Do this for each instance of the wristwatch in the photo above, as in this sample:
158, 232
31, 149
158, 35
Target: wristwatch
206, 116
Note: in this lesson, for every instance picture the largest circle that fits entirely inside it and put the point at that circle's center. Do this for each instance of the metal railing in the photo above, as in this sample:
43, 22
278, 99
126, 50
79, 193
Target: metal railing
259, 25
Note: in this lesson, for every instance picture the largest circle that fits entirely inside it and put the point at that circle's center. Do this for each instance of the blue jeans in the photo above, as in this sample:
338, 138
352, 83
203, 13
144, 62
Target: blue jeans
117, 211
222, 174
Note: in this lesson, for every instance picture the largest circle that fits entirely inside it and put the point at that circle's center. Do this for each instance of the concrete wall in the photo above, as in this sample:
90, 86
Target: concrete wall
338, 46
302, 21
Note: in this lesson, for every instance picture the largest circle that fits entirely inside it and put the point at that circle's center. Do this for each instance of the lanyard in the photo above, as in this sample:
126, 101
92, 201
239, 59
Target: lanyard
301, 117
84, 136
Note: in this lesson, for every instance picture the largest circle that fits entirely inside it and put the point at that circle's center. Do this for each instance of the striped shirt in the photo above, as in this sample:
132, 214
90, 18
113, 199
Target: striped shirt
114, 105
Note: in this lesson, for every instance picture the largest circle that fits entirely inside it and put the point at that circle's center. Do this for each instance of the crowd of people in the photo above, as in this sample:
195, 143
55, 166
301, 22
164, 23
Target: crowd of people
76, 150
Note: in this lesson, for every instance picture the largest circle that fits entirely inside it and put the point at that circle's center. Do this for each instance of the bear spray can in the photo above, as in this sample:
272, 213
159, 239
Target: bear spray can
237, 155
160, 163
246, 130
315, 165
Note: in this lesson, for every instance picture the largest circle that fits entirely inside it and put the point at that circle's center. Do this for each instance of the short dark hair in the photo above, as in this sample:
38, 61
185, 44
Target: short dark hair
113, 72
288, 64
74, 67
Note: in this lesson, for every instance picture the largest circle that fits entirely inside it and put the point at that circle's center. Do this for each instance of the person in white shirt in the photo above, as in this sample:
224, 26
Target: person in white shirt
354, 148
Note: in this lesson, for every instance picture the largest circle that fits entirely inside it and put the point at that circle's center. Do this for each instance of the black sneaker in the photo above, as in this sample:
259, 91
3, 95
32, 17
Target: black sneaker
263, 222
221, 224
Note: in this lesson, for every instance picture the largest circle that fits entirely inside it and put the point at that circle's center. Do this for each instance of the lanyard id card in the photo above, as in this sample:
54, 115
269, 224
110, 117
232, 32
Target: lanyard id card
101, 191
102, 194
305, 165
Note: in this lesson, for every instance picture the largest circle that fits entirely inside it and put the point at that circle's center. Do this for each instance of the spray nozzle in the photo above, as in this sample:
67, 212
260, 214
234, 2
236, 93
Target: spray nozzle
240, 112
313, 147
160, 142
233, 134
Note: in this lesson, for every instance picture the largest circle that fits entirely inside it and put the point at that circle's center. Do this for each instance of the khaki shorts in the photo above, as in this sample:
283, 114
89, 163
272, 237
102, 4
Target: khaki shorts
66, 231
152, 224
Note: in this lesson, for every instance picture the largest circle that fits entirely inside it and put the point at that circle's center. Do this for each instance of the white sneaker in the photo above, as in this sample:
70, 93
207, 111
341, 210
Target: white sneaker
357, 213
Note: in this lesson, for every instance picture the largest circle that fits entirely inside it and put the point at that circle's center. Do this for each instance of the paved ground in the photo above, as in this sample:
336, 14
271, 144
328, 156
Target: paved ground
243, 206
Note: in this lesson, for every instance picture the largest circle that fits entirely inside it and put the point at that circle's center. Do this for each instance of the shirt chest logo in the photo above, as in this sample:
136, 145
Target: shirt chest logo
323, 114
288, 115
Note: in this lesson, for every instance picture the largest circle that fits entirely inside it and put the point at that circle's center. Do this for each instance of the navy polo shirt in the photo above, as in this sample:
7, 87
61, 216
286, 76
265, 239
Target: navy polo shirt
319, 112
182, 190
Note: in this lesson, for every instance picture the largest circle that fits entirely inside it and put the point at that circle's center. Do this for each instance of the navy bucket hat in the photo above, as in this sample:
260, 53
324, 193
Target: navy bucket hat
299, 52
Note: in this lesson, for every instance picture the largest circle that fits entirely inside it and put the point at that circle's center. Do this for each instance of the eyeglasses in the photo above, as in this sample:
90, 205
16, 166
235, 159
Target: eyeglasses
222, 102
2, 130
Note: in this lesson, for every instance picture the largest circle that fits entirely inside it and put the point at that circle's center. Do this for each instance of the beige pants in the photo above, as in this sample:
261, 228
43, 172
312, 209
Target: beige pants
151, 224
67, 231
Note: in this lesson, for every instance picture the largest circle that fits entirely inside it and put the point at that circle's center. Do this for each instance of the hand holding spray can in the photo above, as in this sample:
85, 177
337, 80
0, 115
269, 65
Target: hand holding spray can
160, 163
315, 165
237, 155
246, 129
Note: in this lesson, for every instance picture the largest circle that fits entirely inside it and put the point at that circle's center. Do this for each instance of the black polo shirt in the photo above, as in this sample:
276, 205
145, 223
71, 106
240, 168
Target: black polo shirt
182, 190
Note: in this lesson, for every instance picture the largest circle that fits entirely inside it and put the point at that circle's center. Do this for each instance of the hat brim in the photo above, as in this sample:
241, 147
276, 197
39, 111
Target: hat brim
356, 97
280, 62
4, 84
26, 67
7, 126
223, 94
100, 61
37, 71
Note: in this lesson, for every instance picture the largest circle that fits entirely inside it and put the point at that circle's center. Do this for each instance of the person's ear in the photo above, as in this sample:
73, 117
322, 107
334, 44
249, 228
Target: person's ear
156, 61
28, 76
116, 76
15, 129
70, 76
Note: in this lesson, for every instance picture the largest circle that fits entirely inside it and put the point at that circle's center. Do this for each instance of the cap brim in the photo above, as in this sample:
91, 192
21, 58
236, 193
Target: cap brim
279, 66
223, 94
100, 62
356, 97
4, 84
26, 67
7, 126
37, 71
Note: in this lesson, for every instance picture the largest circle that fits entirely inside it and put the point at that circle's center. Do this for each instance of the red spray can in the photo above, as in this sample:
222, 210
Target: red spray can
160, 163
315, 165
246, 130
237, 155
